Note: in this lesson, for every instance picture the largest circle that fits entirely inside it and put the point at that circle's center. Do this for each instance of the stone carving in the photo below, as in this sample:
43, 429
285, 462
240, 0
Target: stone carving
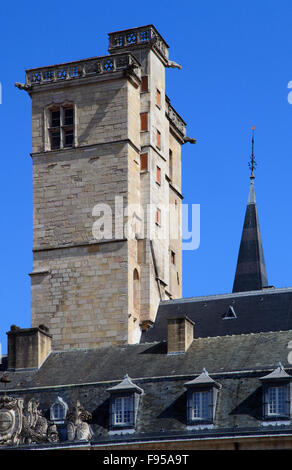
21, 86
190, 140
10, 420
24, 427
172, 64
35, 427
77, 70
78, 429
175, 119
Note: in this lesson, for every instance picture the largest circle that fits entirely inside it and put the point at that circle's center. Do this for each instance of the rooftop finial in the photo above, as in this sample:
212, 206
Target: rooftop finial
252, 163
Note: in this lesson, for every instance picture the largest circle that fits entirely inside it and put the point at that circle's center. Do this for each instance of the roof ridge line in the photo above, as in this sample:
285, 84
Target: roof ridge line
231, 295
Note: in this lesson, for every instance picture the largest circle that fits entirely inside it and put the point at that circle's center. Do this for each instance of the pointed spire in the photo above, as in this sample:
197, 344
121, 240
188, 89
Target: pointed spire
251, 269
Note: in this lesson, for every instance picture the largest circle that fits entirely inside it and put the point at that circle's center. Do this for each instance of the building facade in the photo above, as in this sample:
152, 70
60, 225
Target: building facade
106, 161
115, 357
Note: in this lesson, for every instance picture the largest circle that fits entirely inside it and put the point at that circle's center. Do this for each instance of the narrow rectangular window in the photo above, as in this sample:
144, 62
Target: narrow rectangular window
170, 164
55, 139
158, 217
158, 139
144, 121
158, 175
158, 98
172, 257
144, 84
68, 137
68, 116
144, 161
55, 118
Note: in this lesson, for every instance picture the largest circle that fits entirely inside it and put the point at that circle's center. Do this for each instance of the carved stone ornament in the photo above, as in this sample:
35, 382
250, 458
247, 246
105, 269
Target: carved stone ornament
11, 414
78, 429
35, 427
24, 427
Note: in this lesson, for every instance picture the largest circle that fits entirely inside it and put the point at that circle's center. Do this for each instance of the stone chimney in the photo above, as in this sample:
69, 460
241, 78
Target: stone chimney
28, 347
180, 334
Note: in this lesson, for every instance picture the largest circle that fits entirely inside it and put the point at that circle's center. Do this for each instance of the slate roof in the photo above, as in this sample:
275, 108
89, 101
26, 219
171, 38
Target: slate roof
236, 362
256, 311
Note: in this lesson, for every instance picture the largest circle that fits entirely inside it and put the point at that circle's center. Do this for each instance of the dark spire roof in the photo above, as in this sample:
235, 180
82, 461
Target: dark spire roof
251, 269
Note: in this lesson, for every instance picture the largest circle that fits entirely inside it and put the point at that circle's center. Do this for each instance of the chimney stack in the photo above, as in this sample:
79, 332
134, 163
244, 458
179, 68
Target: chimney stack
180, 334
28, 347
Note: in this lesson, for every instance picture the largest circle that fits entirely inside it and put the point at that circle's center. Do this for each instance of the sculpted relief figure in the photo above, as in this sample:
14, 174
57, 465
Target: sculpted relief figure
11, 414
35, 427
78, 429
24, 427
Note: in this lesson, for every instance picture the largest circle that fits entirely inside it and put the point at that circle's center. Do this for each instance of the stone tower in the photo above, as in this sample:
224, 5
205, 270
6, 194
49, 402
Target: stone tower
105, 136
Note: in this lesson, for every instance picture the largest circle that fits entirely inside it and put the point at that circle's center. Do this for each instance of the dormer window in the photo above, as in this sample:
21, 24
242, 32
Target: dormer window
58, 411
124, 402
276, 397
201, 401
229, 314
61, 126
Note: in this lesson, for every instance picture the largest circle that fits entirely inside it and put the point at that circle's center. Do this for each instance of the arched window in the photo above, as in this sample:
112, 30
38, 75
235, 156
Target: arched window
136, 291
58, 410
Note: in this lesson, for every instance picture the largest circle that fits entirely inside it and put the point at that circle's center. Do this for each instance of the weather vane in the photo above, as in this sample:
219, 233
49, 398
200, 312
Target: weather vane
252, 163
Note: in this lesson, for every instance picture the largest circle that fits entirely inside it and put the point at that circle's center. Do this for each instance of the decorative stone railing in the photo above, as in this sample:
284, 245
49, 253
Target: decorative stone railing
175, 118
137, 37
83, 68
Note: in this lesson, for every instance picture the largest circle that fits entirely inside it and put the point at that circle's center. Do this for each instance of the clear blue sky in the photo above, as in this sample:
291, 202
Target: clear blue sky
236, 62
